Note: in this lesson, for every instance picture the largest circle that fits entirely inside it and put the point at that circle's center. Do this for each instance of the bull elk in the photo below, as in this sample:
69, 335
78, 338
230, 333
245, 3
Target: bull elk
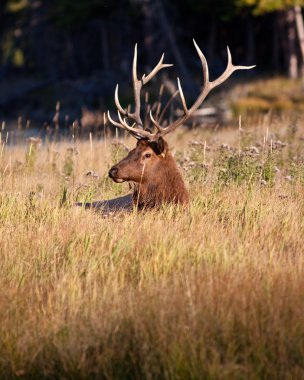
150, 165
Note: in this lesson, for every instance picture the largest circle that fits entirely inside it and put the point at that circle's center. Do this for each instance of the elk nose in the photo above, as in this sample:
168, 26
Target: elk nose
113, 172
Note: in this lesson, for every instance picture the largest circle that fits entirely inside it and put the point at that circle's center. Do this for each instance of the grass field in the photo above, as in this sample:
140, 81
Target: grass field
214, 292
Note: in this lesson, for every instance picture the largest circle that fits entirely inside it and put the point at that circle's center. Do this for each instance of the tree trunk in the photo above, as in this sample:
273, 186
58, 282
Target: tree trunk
168, 32
282, 34
276, 43
300, 33
250, 45
292, 53
105, 46
41, 39
212, 40
2, 8
71, 65
148, 32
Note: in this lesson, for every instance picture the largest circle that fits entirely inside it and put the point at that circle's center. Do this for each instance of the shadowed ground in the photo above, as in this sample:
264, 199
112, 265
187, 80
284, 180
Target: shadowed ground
116, 204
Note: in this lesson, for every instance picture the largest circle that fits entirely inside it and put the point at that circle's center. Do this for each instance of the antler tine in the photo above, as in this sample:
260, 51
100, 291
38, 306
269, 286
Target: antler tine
181, 94
122, 121
121, 124
157, 68
207, 87
155, 123
116, 124
137, 133
113, 122
167, 105
117, 103
134, 66
237, 67
228, 71
137, 85
204, 63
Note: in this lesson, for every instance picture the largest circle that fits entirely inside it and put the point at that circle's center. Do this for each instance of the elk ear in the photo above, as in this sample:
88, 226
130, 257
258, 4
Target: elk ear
158, 146
141, 142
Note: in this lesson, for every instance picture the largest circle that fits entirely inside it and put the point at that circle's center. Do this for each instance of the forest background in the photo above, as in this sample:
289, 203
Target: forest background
75, 51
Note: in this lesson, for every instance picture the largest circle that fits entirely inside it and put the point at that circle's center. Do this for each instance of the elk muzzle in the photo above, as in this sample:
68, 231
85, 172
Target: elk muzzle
113, 174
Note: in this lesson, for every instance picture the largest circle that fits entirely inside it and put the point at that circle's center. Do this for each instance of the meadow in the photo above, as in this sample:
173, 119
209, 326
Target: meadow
211, 292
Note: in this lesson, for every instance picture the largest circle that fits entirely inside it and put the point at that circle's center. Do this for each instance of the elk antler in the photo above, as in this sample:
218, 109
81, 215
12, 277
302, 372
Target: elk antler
137, 86
140, 133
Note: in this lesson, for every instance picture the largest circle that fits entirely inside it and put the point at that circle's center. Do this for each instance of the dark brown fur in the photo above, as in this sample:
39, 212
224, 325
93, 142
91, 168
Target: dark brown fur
155, 174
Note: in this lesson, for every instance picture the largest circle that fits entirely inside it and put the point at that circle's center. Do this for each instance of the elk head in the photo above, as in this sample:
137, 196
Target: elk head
141, 163
150, 164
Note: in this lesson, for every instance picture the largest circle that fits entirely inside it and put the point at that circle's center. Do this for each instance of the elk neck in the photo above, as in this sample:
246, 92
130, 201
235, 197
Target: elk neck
164, 186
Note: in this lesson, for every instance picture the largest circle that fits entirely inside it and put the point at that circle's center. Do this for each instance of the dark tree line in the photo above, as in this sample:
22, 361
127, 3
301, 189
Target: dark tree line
69, 38
57, 40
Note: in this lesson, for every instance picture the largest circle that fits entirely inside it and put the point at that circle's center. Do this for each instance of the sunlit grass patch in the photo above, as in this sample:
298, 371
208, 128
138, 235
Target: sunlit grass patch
211, 291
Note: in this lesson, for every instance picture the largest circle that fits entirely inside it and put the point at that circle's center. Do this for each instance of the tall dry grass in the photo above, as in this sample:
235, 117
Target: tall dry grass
214, 292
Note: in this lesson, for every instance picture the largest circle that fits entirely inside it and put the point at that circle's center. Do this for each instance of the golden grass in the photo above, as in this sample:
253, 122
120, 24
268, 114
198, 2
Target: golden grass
277, 94
215, 292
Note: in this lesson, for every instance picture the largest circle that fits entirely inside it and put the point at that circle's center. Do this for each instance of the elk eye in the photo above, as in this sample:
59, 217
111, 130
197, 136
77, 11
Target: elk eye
147, 155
